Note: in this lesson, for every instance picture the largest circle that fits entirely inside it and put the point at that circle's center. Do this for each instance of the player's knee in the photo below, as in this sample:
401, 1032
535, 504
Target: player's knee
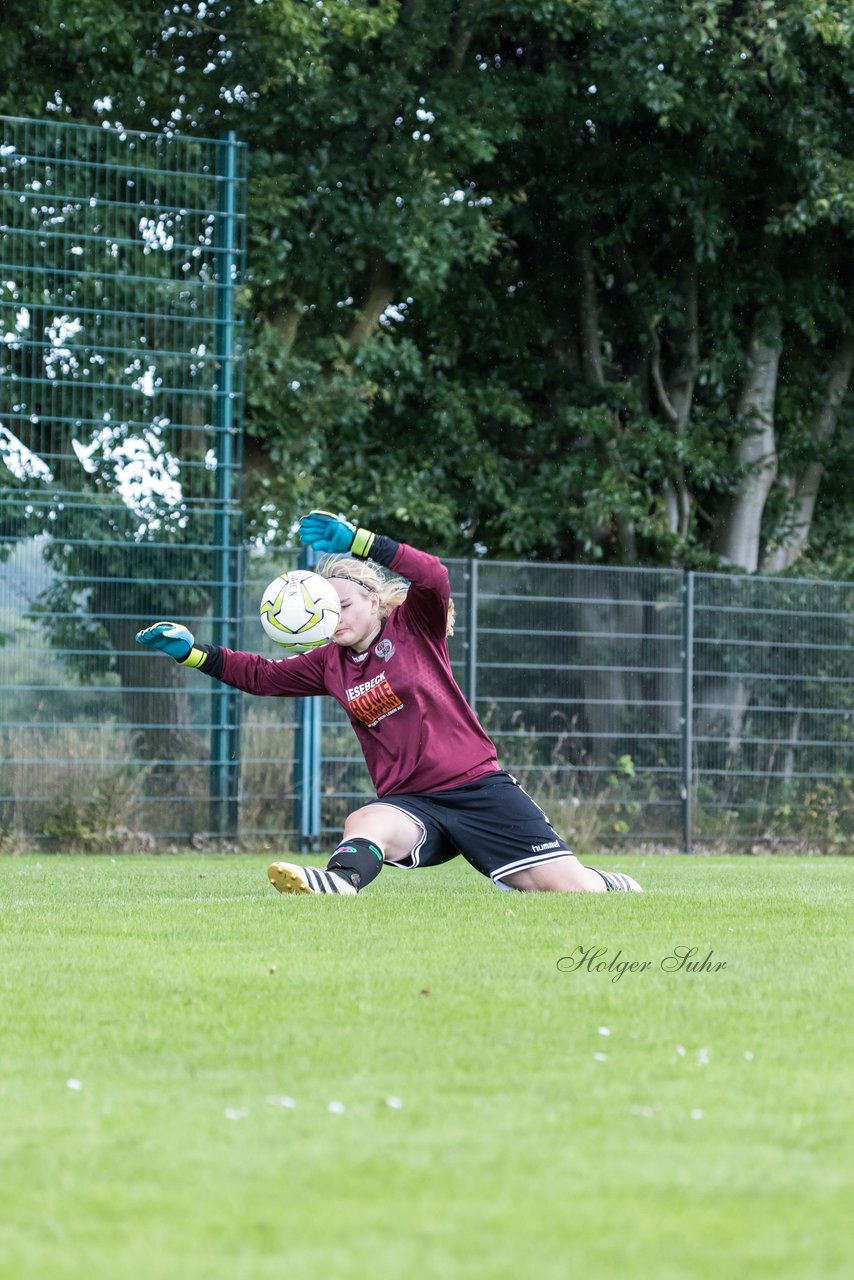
393, 830
369, 815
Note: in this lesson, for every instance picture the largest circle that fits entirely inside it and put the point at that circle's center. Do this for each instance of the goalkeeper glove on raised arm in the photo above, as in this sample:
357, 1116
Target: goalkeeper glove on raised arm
174, 640
326, 532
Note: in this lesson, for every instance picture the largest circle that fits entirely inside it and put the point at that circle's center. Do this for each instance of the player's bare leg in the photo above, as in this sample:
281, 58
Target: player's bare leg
391, 828
567, 875
371, 835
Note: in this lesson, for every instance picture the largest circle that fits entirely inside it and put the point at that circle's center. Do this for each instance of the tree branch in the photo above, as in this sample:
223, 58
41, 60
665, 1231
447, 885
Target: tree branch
655, 373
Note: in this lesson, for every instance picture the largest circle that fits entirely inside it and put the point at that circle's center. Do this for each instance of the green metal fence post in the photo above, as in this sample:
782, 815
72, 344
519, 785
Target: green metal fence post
308, 753
234, 699
303, 760
315, 712
687, 709
225, 709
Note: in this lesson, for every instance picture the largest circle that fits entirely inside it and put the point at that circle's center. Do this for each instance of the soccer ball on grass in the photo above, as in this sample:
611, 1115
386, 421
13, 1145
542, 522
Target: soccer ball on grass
300, 611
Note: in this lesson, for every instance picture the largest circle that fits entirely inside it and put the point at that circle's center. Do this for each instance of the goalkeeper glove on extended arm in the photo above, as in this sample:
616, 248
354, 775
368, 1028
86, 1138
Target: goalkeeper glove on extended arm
326, 532
175, 640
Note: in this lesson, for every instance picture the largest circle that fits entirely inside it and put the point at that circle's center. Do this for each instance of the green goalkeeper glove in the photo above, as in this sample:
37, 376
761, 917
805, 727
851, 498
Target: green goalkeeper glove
326, 532
173, 639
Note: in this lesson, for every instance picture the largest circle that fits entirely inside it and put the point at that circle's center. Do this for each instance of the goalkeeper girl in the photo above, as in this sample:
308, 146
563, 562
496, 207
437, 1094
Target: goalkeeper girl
440, 790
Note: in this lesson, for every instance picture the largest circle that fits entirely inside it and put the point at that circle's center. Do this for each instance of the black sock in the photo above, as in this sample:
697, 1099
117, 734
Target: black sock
357, 859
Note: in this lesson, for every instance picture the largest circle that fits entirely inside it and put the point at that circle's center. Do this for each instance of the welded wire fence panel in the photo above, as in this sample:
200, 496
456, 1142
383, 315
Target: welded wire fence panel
99, 738
112, 260
578, 681
120, 369
773, 744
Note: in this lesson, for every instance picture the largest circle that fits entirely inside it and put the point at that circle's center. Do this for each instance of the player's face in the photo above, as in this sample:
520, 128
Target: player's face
359, 617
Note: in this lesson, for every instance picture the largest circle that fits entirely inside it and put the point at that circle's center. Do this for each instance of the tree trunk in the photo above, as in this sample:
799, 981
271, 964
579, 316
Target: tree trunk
285, 321
677, 397
589, 334
803, 488
607, 689
154, 699
460, 37
160, 717
681, 382
791, 742
379, 293
739, 525
593, 369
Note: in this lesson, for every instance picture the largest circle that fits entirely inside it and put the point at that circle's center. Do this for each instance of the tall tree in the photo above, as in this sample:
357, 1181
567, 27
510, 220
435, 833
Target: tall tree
552, 280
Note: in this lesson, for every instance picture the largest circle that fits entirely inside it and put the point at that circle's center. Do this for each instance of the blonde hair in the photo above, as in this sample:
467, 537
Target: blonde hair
368, 575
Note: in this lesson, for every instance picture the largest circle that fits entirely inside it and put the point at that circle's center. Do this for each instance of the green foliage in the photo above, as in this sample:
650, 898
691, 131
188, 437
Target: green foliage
90, 823
448, 200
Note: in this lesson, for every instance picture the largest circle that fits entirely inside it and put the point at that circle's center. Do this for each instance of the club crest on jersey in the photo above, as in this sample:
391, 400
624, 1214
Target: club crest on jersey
384, 650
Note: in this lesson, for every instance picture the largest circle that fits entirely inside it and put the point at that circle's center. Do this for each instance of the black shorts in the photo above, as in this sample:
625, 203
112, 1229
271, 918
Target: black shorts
493, 823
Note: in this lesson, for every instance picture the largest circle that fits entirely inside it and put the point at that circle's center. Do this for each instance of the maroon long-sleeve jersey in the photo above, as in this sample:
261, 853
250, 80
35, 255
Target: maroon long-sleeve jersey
415, 728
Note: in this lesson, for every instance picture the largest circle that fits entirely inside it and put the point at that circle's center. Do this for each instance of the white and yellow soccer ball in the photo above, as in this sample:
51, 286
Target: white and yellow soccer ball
300, 611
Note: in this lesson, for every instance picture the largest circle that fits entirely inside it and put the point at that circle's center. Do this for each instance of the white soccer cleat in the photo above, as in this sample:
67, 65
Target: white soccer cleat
287, 877
617, 880
624, 882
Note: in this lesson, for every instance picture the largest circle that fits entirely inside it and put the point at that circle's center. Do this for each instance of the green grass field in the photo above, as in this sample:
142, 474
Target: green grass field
462, 1106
